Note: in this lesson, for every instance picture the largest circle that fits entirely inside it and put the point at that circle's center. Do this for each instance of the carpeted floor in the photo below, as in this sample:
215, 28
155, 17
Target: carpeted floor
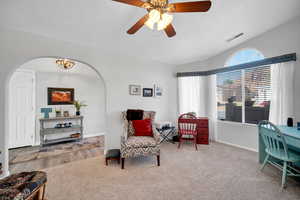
215, 172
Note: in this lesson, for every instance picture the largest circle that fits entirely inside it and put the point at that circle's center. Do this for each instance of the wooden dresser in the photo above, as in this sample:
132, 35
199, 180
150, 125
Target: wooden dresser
203, 130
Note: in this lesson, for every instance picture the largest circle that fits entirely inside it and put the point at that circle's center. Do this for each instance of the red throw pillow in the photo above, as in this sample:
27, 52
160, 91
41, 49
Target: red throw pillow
142, 127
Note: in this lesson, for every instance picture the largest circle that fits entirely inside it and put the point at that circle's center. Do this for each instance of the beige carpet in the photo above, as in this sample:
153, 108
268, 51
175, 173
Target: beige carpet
215, 172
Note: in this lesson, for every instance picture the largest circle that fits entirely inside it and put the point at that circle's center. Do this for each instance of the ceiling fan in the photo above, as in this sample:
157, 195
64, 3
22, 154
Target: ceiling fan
158, 13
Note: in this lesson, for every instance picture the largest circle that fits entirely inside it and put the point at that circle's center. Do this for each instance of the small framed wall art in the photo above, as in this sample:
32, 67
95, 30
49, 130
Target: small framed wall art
157, 91
135, 89
147, 92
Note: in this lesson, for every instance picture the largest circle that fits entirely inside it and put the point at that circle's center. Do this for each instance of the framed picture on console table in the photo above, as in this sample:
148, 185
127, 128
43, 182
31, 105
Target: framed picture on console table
60, 96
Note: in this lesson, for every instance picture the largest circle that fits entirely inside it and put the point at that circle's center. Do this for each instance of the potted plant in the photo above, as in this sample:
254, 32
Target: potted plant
78, 105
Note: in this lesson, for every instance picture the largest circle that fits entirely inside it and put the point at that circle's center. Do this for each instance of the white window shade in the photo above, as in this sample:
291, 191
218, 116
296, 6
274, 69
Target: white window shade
257, 94
229, 96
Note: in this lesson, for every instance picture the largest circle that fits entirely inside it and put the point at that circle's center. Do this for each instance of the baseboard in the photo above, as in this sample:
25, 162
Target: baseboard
5, 174
93, 135
238, 146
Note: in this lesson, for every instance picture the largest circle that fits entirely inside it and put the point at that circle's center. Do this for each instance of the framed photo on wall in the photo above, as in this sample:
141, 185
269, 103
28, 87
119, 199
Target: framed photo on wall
157, 90
60, 96
147, 92
135, 90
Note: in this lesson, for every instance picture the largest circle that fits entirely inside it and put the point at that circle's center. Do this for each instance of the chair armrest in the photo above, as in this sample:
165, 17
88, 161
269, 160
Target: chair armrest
156, 134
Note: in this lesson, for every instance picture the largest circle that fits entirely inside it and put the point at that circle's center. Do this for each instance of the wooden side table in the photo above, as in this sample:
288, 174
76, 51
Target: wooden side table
113, 154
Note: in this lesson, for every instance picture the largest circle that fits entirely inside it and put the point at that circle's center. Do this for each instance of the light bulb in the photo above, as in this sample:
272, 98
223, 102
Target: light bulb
166, 19
154, 17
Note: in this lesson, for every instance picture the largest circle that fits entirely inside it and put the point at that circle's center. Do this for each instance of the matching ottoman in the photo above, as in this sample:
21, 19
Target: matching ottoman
112, 154
23, 186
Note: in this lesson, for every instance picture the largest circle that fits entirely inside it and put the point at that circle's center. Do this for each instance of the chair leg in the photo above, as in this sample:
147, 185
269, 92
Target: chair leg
283, 184
179, 142
158, 160
265, 162
123, 161
195, 140
106, 162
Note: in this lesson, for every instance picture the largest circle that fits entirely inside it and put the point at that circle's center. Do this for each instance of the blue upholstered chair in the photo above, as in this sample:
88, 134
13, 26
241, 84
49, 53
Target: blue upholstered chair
277, 148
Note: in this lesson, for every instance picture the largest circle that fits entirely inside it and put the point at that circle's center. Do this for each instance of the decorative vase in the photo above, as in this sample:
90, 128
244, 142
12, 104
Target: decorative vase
77, 113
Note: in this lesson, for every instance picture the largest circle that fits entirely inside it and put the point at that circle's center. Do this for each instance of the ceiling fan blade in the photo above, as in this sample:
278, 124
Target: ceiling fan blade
137, 3
138, 25
170, 31
196, 6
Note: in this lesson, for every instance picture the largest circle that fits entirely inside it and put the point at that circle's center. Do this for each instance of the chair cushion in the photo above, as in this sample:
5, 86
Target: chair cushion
142, 127
140, 142
20, 186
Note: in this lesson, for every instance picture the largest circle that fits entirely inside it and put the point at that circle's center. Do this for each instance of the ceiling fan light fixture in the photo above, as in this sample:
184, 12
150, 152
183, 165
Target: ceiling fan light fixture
65, 63
157, 10
150, 24
154, 17
166, 19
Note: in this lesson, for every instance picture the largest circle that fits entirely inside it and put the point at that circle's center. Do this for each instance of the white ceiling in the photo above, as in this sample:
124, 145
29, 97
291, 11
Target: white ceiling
103, 24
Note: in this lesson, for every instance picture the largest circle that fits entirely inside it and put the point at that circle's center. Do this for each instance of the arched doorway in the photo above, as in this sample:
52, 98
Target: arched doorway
88, 86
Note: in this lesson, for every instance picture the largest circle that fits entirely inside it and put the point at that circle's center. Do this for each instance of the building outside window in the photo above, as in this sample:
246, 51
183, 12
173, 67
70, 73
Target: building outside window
244, 95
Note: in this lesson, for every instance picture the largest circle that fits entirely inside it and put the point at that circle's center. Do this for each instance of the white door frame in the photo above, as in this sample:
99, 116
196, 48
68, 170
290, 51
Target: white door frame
33, 103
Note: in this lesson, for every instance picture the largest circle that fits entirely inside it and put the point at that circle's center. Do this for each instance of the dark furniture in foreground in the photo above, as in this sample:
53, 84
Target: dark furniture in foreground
1, 166
113, 154
24, 186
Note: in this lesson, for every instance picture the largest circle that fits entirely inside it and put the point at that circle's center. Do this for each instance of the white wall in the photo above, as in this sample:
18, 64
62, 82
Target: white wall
87, 88
118, 71
281, 40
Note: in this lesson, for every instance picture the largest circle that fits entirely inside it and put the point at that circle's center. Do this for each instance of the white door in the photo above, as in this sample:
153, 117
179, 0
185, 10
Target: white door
22, 109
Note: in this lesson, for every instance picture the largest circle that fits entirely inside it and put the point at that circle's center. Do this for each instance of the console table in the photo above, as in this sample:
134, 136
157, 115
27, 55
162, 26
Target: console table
77, 128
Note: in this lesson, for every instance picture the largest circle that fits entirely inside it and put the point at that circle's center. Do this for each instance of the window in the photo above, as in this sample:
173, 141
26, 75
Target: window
229, 96
244, 95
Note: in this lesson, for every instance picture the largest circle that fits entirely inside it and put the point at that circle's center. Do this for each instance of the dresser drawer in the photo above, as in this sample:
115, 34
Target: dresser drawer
203, 136
202, 141
203, 123
203, 131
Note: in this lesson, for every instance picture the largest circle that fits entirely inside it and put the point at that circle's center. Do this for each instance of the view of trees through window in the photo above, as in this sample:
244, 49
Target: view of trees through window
244, 95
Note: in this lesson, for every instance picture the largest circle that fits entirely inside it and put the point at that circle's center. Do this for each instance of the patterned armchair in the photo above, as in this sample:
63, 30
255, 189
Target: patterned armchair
134, 146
